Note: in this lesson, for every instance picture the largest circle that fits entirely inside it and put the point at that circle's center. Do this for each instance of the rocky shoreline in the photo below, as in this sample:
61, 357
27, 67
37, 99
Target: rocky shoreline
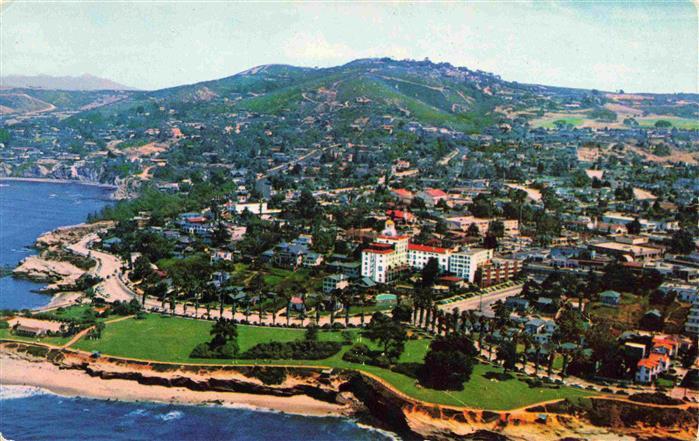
347, 393
55, 264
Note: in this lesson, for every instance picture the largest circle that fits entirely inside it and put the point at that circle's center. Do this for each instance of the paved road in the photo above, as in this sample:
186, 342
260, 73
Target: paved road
112, 288
486, 300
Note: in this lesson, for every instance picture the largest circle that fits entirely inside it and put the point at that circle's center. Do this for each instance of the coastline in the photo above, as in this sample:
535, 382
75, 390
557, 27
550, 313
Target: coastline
58, 181
76, 383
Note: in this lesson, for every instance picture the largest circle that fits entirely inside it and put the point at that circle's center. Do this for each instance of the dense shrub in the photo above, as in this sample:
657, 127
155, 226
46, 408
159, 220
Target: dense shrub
268, 375
410, 369
654, 398
125, 308
207, 350
359, 353
299, 350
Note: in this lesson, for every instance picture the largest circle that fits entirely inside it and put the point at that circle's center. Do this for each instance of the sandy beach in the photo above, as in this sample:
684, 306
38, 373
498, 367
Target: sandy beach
68, 382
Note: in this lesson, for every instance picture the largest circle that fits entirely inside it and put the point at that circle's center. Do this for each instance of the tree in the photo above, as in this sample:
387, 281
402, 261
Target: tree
497, 229
224, 337
607, 353
448, 363
682, 242
634, 227
142, 268
446, 370
220, 235
507, 354
571, 326
429, 272
312, 333
402, 313
490, 241
482, 206
388, 333
473, 230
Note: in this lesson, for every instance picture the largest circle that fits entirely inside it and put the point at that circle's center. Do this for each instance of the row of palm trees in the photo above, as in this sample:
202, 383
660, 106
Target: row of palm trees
194, 291
428, 316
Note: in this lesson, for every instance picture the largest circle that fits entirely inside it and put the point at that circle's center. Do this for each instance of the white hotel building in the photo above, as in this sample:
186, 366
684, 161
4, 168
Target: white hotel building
392, 253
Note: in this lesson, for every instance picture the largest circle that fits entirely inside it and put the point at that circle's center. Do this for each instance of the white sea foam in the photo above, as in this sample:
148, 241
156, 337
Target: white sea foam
172, 415
12, 392
138, 412
390, 435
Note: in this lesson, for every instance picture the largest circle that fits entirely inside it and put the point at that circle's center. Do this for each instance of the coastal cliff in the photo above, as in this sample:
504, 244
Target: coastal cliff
366, 398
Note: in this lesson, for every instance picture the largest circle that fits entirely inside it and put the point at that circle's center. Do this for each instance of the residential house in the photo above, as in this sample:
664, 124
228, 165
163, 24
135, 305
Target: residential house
335, 281
610, 297
648, 369
432, 196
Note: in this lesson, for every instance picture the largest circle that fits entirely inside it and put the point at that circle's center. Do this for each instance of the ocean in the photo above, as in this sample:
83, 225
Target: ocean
28, 414
28, 209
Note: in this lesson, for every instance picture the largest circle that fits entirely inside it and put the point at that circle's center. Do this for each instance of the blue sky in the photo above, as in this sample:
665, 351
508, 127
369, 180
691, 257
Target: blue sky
636, 46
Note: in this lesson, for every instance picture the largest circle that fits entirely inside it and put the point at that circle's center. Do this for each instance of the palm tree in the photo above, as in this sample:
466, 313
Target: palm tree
287, 297
333, 297
234, 307
196, 304
428, 317
219, 291
455, 320
527, 343
346, 299
318, 303
537, 353
435, 313
553, 349
246, 311
362, 301
260, 310
465, 322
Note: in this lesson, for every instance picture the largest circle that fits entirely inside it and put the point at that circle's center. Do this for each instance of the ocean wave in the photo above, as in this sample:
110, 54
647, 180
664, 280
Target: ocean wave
390, 435
11, 392
171, 416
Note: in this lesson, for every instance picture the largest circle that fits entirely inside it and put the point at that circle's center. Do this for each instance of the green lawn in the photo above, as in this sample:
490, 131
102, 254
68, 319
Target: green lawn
368, 310
680, 123
73, 312
172, 339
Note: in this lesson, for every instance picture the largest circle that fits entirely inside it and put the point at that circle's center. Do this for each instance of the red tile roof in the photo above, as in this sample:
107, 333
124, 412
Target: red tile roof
426, 248
402, 192
379, 248
435, 193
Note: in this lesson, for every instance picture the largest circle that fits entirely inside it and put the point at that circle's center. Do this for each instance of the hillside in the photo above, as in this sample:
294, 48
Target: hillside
27, 100
12, 102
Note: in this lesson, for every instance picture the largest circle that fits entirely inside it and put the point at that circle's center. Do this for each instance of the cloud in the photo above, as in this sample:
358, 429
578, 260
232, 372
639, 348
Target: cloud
314, 48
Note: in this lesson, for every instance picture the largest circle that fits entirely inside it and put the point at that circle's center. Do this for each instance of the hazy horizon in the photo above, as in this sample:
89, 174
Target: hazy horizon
643, 46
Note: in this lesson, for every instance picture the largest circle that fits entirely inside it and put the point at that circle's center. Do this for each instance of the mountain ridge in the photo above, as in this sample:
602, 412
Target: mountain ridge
84, 82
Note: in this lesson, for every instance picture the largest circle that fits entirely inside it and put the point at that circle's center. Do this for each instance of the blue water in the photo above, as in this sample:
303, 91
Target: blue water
28, 209
27, 414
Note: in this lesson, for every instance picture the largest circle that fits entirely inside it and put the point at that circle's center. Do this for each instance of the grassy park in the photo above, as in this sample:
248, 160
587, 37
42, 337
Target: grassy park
171, 339
56, 341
